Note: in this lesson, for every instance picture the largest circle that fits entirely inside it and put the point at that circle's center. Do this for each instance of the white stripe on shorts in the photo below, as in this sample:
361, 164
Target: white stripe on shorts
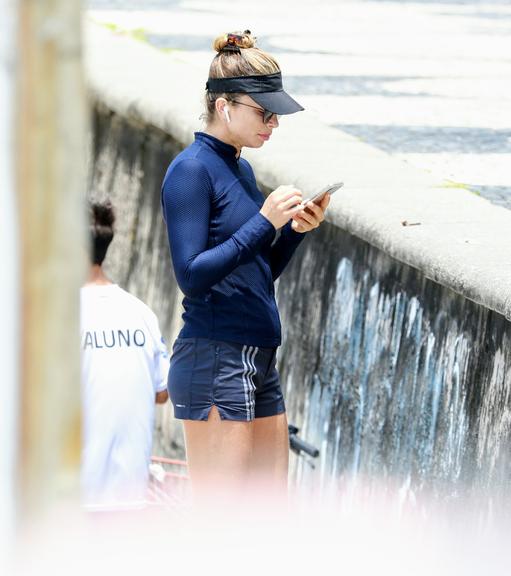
248, 355
244, 379
251, 360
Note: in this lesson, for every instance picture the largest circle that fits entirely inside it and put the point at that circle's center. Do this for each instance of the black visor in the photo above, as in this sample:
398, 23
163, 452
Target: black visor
265, 89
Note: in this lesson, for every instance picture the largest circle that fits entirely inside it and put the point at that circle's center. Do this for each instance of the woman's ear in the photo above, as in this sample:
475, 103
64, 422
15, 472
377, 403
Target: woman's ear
223, 109
220, 104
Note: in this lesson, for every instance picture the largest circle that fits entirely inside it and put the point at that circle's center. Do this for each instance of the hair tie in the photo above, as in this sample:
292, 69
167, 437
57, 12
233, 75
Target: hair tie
234, 41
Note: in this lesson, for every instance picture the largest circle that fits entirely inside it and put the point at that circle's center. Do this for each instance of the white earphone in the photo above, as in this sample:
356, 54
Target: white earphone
226, 114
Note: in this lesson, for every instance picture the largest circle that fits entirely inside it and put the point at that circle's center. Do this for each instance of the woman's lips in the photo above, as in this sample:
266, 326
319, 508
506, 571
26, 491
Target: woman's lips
264, 137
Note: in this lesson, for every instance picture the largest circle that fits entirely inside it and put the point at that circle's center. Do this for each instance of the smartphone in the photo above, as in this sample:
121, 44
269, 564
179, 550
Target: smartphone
330, 189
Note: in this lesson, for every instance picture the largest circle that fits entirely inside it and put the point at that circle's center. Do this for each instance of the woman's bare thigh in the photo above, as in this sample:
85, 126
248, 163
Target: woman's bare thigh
218, 453
270, 454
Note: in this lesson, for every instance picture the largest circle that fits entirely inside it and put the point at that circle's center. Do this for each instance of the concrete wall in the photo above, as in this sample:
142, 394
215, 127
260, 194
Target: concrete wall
391, 374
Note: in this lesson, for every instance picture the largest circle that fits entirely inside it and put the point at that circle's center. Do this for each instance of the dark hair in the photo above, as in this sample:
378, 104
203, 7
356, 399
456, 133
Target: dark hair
101, 218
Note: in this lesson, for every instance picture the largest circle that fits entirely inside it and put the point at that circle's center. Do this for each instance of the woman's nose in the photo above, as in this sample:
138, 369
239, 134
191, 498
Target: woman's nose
274, 121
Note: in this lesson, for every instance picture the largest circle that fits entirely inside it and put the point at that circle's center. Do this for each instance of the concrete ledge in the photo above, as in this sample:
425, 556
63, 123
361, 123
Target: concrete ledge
457, 238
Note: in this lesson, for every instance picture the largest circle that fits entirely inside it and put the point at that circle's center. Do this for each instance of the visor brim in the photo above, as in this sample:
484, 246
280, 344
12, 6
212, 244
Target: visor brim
279, 102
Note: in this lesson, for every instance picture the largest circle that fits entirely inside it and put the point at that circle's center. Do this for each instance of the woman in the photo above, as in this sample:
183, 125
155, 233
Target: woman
223, 380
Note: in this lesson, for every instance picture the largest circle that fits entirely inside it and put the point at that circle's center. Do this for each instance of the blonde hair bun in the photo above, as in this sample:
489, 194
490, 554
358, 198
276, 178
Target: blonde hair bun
238, 39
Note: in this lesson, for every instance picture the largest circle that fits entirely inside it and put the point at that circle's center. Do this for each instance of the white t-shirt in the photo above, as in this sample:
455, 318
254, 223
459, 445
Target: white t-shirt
124, 363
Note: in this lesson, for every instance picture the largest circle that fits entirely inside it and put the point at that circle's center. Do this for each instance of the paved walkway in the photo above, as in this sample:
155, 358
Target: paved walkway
428, 82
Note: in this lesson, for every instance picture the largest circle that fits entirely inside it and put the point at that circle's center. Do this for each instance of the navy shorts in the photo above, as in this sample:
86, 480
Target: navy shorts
240, 380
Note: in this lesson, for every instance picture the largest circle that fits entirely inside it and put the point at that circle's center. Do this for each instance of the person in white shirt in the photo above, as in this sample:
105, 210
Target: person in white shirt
124, 372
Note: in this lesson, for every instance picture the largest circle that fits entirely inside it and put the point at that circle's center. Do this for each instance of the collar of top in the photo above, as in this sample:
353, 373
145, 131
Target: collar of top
220, 147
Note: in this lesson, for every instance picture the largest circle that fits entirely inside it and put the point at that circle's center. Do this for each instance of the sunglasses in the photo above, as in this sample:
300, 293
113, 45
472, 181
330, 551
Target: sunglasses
267, 115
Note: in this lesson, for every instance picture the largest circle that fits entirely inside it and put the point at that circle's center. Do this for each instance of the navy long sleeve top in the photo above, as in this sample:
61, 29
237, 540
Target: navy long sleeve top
223, 249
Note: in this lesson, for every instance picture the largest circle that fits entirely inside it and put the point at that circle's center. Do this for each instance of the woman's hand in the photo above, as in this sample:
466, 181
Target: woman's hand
310, 216
282, 205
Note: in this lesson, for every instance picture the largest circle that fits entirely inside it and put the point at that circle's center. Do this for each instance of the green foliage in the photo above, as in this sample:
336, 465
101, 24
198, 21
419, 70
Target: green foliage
111, 26
139, 34
453, 184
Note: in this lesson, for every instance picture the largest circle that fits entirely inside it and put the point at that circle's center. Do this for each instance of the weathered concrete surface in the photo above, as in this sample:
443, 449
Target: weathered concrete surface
461, 240
392, 375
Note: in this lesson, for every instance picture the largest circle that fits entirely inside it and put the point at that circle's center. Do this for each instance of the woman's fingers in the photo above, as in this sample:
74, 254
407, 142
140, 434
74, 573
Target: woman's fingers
308, 218
286, 201
291, 192
297, 227
281, 205
292, 212
283, 193
325, 202
316, 210
305, 226
292, 202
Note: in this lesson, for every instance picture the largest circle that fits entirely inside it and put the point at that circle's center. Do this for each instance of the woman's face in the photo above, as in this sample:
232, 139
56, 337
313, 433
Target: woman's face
247, 127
